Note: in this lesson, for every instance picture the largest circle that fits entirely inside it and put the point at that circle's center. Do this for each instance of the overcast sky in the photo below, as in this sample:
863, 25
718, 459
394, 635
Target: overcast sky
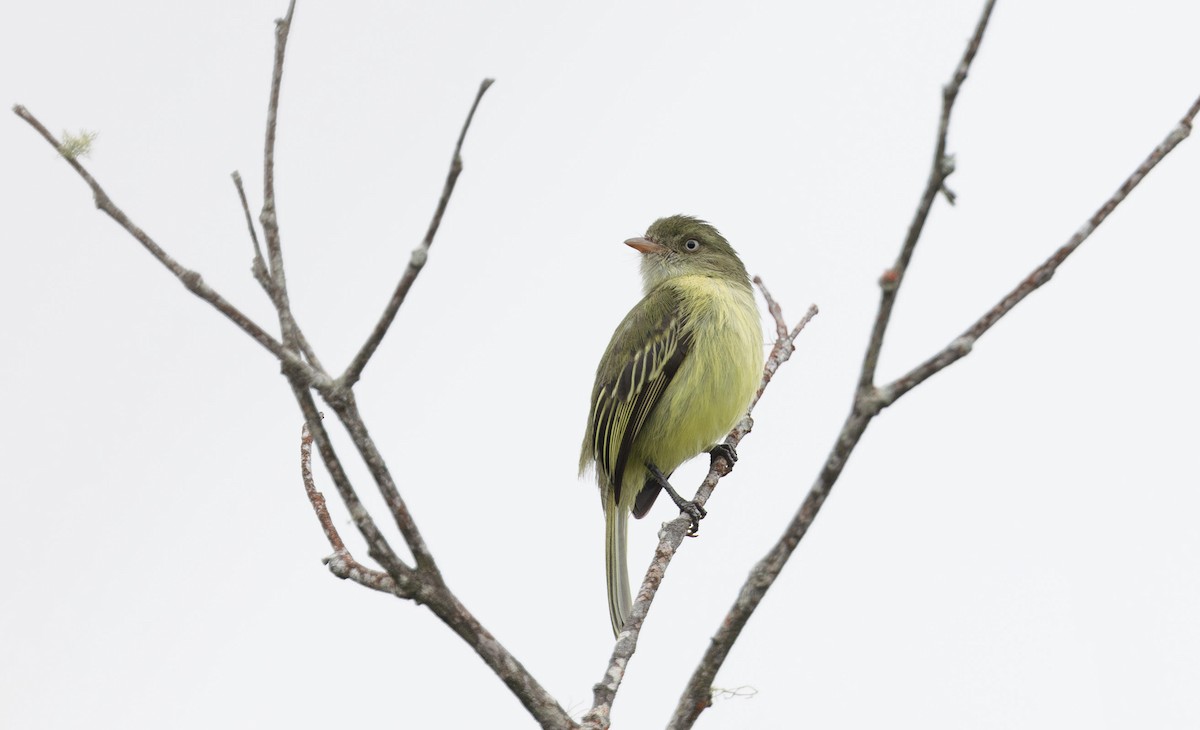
1014, 544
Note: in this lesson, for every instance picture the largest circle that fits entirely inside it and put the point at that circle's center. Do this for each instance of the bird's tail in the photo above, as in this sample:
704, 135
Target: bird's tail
616, 524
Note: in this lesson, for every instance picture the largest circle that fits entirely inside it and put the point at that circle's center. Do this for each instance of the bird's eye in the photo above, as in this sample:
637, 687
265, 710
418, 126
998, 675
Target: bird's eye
691, 244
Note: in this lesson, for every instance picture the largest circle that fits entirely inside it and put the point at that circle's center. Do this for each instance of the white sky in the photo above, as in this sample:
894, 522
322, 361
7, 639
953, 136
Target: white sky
1014, 544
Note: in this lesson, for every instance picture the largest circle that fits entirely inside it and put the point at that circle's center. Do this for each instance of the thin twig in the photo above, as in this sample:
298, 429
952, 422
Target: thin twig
190, 279
531, 694
673, 532
268, 218
784, 341
773, 308
289, 328
418, 258
962, 344
347, 412
407, 582
941, 168
259, 269
341, 563
314, 495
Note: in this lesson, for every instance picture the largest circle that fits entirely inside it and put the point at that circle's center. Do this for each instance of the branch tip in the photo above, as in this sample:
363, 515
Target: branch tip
419, 256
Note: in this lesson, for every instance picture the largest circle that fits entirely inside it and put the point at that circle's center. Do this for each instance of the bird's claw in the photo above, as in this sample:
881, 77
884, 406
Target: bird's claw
695, 513
724, 451
689, 507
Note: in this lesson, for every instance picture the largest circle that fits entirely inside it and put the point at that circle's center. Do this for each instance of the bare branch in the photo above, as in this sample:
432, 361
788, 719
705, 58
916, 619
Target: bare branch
773, 309
377, 545
962, 344
784, 341
419, 255
258, 267
314, 496
942, 167
190, 279
697, 696
426, 586
422, 584
869, 401
268, 218
290, 330
347, 411
673, 532
341, 563
293, 337
548, 713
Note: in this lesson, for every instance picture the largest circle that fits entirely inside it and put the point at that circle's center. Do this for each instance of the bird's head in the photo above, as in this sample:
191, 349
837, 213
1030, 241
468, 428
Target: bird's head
681, 245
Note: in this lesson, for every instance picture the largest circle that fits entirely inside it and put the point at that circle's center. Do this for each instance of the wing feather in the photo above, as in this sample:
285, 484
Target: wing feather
624, 402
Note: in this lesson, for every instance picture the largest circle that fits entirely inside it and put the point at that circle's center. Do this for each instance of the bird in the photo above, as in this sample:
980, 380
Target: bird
676, 377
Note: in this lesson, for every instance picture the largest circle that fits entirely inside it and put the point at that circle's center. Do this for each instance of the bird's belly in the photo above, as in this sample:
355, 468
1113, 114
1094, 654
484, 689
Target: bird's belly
712, 388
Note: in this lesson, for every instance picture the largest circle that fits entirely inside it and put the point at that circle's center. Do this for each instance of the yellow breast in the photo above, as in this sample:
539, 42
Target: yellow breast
715, 383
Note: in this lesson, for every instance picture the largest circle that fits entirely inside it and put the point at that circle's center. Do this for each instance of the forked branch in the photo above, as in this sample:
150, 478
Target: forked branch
191, 280
870, 400
421, 582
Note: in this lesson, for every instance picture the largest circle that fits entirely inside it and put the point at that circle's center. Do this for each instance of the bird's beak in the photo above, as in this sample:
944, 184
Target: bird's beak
645, 245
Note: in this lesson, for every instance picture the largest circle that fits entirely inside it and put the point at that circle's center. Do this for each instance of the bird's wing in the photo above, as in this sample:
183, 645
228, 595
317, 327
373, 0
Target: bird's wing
632, 377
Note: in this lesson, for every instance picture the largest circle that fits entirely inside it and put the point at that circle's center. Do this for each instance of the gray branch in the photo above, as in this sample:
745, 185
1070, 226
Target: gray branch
869, 400
422, 582
419, 256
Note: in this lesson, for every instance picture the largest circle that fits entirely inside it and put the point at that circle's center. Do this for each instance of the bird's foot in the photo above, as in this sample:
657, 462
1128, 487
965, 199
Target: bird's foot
688, 507
723, 451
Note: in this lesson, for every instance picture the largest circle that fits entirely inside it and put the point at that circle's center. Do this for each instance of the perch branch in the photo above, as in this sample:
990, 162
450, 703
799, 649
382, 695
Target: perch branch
673, 532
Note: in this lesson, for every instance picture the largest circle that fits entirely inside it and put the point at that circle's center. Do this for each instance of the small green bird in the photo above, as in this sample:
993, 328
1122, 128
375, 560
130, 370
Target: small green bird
677, 376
